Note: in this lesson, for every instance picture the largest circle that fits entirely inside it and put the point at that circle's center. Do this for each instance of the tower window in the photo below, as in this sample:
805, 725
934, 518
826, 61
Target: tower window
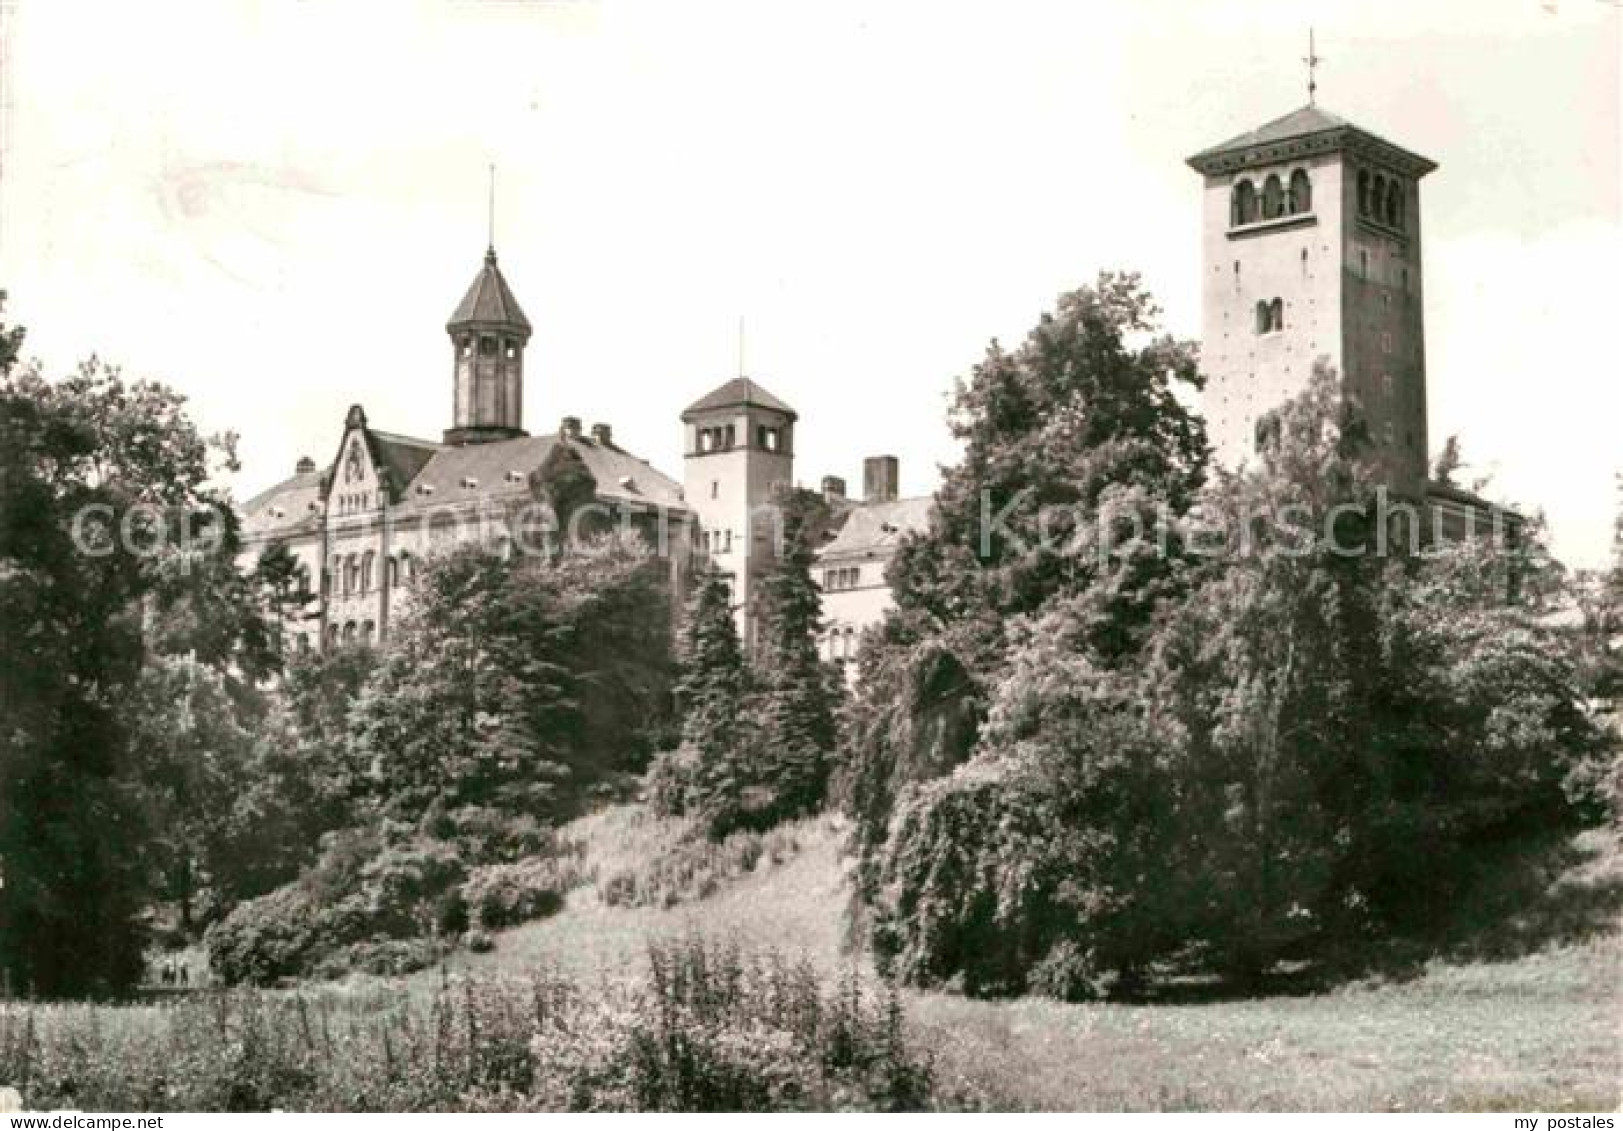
1270, 316
1394, 204
1243, 204
510, 348
467, 346
1273, 198
715, 487
1377, 197
487, 347
768, 439
1301, 192
1363, 192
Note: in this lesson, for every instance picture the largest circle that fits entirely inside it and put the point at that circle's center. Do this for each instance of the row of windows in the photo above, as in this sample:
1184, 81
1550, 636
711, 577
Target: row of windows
353, 573
724, 438
1381, 198
716, 541
1248, 205
840, 643
847, 578
351, 632
489, 346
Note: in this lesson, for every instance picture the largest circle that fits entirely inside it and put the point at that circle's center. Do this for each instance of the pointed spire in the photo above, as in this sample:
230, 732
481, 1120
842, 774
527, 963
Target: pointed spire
1312, 60
490, 217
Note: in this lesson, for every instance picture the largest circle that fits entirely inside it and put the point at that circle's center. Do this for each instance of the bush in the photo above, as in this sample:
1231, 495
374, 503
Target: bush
705, 1027
694, 867
505, 895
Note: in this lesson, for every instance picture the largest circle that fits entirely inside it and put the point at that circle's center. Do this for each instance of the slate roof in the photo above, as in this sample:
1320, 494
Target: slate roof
873, 529
287, 509
489, 300
403, 457
284, 509
738, 391
621, 476
1300, 125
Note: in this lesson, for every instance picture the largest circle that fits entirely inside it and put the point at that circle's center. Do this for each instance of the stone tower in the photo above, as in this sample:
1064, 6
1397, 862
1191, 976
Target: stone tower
739, 456
488, 334
1311, 239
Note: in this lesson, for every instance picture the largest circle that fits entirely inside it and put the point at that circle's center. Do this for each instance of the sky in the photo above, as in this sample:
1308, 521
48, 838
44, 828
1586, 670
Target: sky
274, 206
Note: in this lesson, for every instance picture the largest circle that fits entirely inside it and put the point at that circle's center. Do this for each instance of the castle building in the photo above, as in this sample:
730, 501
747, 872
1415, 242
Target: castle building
359, 526
1312, 249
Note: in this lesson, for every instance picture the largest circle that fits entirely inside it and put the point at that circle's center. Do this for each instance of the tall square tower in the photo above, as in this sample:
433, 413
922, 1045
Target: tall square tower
739, 458
1311, 242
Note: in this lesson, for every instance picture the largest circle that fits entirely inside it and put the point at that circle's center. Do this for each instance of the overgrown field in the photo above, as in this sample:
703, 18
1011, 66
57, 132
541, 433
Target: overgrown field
572, 1011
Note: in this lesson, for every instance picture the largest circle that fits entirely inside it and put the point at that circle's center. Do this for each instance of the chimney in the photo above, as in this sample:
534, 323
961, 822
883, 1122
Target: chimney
833, 487
880, 478
569, 429
603, 434
305, 466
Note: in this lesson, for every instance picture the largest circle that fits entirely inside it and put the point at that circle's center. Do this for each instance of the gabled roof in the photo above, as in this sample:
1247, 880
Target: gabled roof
503, 468
402, 457
738, 391
489, 301
429, 475
873, 529
287, 508
1304, 130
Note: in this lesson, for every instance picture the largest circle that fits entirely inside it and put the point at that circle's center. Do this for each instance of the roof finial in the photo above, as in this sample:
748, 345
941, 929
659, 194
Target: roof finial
741, 345
1312, 62
490, 212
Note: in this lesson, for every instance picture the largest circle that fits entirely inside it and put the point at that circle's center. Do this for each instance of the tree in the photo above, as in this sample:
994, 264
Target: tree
1321, 738
704, 775
1080, 457
106, 522
515, 684
791, 717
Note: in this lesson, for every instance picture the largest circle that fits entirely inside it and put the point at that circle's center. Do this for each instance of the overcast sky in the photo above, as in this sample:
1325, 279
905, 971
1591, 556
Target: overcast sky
275, 206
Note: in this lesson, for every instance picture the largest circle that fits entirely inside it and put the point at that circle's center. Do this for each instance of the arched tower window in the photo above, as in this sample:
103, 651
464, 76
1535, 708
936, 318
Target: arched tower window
1301, 192
366, 571
1363, 192
1276, 314
1264, 317
1273, 198
1243, 203
1377, 197
1394, 204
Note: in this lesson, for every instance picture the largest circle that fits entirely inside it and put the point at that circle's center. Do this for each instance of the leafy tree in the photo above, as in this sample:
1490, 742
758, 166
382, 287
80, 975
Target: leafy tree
107, 527
1079, 458
478, 700
1321, 739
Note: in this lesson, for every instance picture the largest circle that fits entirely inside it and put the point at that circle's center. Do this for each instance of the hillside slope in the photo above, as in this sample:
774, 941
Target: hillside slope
1535, 1032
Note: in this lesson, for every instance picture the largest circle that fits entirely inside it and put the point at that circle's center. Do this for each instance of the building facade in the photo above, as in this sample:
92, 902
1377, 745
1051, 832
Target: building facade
360, 525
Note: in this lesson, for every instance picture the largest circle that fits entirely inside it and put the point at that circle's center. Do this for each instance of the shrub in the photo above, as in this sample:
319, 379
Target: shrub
504, 895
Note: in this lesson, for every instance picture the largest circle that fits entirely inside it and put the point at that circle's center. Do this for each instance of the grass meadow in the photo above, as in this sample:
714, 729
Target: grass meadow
1526, 1017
